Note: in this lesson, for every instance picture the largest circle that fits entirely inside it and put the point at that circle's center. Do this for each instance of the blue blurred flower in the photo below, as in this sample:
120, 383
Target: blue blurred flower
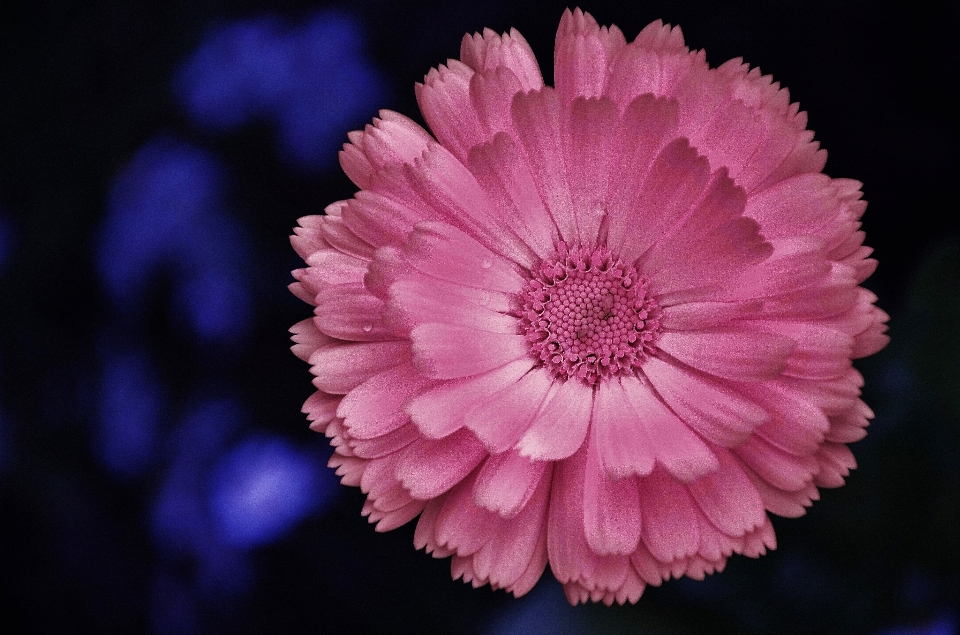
263, 487
312, 81
130, 406
167, 213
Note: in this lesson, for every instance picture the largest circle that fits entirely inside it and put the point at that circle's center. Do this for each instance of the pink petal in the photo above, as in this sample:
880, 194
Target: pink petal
777, 467
618, 434
350, 312
646, 126
582, 55
674, 444
560, 428
428, 468
588, 152
444, 252
491, 93
339, 368
796, 425
611, 510
386, 444
658, 36
570, 555
713, 409
417, 299
444, 99
380, 220
536, 119
736, 353
320, 409
445, 351
307, 338
669, 518
669, 190
391, 140
442, 182
375, 407
695, 316
339, 236
461, 524
506, 482
518, 544
441, 411
503, 173
728, 498
510, 51
836, 460
501, 419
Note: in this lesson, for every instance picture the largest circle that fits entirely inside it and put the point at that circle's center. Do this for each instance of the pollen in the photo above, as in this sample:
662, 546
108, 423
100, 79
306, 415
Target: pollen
587, 315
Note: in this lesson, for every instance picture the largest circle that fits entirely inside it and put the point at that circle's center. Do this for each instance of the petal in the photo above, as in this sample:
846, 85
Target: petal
503, 173
444, 99
339, 368
350, 312
560, 428
441, 411
739, 354
375, 407
570, 555
611, 510
418, 299
669, 518
582, 55
501, 419
307, 339
320, 409
588, 152
445, 252
510, 50
618, 435
536, 119
674, 444
461, 524
506, 482
695, 316
728, 498
715, 410
428, 468
445, 351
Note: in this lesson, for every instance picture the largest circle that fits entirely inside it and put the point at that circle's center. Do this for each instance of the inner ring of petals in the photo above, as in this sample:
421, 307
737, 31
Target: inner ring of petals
588, 315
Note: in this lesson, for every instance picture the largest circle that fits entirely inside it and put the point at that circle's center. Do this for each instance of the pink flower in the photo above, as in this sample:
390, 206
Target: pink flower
607, 325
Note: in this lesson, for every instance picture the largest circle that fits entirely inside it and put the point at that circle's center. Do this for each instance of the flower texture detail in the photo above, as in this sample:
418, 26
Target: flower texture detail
606, 325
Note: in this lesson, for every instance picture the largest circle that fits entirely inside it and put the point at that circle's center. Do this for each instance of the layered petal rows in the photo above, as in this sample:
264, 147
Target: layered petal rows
606, 326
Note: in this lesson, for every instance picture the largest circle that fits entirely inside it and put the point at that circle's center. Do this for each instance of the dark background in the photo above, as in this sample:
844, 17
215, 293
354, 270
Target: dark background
155, 472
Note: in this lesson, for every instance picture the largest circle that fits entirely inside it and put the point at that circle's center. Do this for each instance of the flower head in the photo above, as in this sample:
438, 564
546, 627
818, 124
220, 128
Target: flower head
606, 326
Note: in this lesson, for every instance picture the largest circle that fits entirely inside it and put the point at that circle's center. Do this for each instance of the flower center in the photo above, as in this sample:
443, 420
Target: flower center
588, 315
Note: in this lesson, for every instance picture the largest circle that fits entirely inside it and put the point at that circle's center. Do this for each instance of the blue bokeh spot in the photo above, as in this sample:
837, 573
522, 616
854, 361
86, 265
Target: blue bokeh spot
311, 80
263, 487
130, 405
166, 212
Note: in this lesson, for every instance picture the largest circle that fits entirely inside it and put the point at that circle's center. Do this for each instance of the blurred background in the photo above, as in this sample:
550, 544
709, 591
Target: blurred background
156, 474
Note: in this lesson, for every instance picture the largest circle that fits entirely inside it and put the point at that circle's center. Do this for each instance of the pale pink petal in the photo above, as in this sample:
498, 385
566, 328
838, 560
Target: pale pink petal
836, 460
428, 468
583, 54
444, 98
695, 316
669, 518
489, 50
795, 425
611, 510
735, 353
339, 368
570, 556
536, 118
676, 447
560, 428
501, 419
728, 498
779, 468
445, 351
307, 338
391, 140
386, 444
503, 173
441, 411
350, 312
590, 139
714, 410
491, 94
418, 298
340, 236
618, 435
375, 407
380, 220
507, 481
320, 409
463, 526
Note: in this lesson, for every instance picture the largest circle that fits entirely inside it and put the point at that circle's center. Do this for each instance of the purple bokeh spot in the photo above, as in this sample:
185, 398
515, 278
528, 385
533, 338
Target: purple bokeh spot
263, 487
943, 624
130, 405
166, 212
311, 80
